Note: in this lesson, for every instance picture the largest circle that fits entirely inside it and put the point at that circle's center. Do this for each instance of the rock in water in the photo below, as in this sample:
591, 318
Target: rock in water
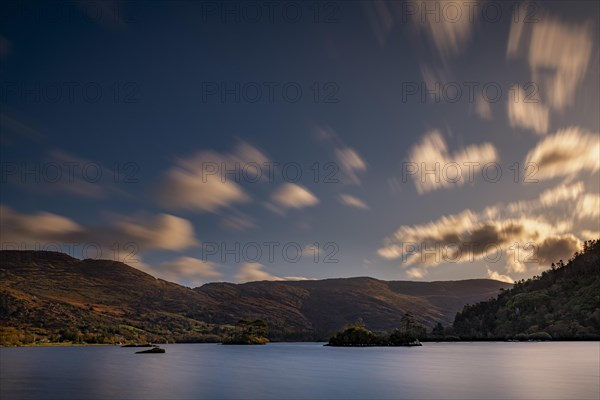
154, 350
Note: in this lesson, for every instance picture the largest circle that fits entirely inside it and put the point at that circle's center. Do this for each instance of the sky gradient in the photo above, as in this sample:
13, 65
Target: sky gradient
231, 141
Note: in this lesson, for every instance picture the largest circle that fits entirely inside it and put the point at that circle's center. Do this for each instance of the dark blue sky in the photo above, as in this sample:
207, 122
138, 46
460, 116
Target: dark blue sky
150, 94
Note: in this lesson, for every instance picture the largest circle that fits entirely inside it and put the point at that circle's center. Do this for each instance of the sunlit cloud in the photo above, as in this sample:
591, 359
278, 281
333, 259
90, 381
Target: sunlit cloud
565, 153
432, 154
291, 195
202, 182
352, 201
589, 207
350, 162
41, 227
251, 272
499, 277
527, 114
415, 273
143, 231
451, 33
558, 53
348, 159
163, 231
184, 270
521, 234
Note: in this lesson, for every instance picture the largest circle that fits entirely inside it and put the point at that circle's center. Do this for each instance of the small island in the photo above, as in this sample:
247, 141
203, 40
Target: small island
357, 335
154, 350
248, 332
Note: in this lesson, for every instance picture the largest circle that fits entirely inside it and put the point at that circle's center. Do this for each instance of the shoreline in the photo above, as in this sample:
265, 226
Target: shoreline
315, 342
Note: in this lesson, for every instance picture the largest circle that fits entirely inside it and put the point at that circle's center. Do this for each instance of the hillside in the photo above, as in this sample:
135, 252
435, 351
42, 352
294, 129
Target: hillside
57, 297
314, 309
563, 302
48, 296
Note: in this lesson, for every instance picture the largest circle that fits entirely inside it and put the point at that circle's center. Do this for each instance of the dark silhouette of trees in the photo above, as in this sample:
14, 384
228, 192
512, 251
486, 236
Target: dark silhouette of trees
562, 303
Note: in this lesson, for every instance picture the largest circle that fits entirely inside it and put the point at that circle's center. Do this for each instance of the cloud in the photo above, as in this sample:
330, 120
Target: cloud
238, 222
587, 234
558, 54
380, 19
432, 154
415, 273
184, 270
61, 173
291, 195
528, 114
251, 272
352, 201
589, 207
42, 227
483, 108
434, 79
163, 231
450, 33
496, 276
553, 249
18, 129
350, 163
561, 193
519, 234
565, 153
143, 231
209, 180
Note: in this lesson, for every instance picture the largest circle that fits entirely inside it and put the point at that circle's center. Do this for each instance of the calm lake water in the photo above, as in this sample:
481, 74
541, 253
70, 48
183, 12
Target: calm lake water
303, 371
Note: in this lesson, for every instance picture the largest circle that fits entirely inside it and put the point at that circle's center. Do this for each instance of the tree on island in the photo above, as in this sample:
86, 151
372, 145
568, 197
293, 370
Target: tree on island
358, 335
249, 332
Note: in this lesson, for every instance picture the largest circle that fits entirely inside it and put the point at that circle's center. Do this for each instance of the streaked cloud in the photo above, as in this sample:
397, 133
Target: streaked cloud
251, 272
483, 108
162, 231
380, 18
348, 159
432, 153
352, 201
237, 221
291, 195
519, 235
415, 273
184, 270
202, 182
589, 207
558, 53
142, 231
41, 227
499, 277
527, 114
566, 153
350, 162
451, 33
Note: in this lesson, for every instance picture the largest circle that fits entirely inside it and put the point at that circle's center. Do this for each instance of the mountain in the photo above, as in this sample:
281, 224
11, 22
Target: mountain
562, 303
314, 309
49, 296
58, 297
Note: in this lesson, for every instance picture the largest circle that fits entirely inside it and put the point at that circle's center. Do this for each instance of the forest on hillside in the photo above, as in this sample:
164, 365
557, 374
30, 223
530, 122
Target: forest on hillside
561, 303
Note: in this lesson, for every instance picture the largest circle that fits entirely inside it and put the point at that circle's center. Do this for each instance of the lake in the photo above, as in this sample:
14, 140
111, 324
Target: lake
545, 370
